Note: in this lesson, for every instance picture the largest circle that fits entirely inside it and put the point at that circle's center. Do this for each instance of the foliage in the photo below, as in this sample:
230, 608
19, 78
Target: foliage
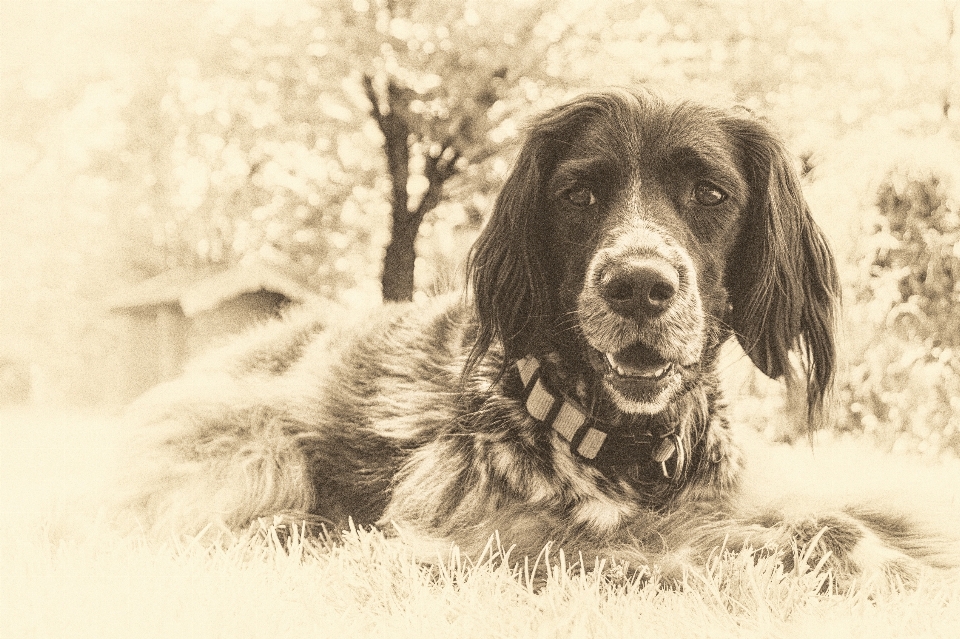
445, 91
904, 380
305, 127
312, 132
285, 90
222, 131
919, 238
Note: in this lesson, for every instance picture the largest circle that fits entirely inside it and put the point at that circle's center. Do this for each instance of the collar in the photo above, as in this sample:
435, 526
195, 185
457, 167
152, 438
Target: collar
588, 438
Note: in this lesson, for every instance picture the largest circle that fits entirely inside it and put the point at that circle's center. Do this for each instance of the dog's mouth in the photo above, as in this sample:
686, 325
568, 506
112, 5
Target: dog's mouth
639, 378
638, 362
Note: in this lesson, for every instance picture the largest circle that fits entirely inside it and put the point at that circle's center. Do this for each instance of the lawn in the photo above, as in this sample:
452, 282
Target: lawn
65, 573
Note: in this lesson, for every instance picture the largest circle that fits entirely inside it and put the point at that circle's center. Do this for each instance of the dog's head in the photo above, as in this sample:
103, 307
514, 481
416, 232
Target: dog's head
633, 235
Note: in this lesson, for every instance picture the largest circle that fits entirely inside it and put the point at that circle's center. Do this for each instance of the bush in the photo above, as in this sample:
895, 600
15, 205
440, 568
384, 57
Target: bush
903, 382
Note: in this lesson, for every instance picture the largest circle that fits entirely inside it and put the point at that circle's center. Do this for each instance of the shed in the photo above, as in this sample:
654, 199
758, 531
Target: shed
181, 312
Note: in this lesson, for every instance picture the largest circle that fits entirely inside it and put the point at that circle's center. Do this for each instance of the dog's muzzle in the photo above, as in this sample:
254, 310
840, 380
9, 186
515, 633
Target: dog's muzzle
641, 314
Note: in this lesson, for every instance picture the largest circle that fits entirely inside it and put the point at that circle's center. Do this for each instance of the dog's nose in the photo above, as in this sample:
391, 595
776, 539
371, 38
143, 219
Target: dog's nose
639, 287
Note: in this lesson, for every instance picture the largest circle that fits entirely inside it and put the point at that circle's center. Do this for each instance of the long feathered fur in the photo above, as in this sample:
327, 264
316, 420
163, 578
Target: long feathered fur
414, 419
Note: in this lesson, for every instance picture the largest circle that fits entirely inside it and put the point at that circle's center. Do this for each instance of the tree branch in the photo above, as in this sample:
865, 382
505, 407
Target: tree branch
374, 100
437, 170
396, 131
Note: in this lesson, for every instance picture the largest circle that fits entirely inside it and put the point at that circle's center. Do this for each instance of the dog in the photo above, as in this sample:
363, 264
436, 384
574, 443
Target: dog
572, 396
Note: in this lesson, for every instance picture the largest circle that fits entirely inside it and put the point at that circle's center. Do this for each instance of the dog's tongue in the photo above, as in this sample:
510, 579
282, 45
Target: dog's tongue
637, 361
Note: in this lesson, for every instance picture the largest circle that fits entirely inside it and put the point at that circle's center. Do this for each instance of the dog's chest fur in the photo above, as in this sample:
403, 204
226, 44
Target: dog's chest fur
395, 436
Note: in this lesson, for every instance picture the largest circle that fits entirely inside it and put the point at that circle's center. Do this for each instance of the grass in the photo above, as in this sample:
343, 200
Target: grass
65, 573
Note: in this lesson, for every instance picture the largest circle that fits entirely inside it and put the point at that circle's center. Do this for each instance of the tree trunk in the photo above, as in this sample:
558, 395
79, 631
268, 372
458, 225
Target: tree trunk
392, 118
399, 260
397, 278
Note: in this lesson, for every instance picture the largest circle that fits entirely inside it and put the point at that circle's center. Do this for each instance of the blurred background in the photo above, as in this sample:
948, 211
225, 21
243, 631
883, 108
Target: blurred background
175, 170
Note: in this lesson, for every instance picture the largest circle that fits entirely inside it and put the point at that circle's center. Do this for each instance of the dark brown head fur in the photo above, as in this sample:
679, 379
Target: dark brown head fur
652, 231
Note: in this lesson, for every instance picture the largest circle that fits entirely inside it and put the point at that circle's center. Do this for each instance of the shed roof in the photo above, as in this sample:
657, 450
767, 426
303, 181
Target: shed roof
201, 289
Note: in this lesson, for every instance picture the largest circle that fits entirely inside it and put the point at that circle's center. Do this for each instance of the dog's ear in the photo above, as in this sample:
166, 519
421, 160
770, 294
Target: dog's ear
506, 268
781, 278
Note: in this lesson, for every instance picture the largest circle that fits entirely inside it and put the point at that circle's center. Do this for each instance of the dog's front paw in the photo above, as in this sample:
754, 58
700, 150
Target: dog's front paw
851, 555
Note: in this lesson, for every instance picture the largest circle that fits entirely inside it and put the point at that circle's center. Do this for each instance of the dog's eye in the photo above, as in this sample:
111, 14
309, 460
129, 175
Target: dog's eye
581, 197
708, 194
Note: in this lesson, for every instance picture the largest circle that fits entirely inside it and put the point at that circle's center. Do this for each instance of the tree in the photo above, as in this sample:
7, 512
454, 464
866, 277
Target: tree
277, 147
436, 77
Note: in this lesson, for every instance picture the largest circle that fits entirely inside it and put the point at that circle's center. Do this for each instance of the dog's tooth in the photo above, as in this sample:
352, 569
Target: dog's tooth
619, 369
